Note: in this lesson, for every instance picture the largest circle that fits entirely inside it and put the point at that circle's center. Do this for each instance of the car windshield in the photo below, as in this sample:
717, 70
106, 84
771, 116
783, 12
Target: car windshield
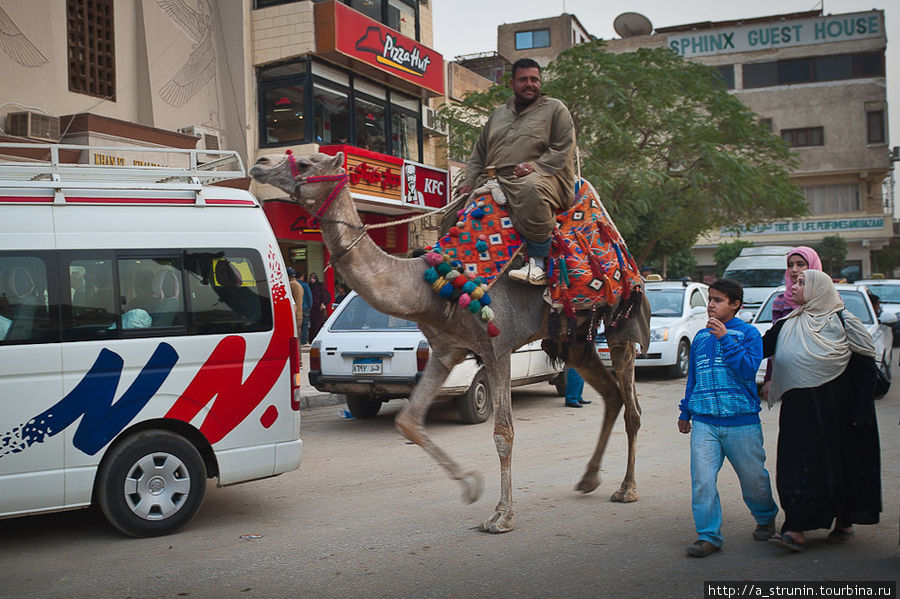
853, 301
665, 302
887, 293
756, 277
357, 315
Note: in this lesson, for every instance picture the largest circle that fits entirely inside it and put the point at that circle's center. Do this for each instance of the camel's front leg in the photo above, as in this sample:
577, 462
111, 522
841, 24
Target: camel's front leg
411, 423
498, 380
623, 357
596, 375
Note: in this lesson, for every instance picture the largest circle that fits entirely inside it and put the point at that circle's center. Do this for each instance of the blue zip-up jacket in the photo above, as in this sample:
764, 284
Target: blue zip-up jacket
721, 384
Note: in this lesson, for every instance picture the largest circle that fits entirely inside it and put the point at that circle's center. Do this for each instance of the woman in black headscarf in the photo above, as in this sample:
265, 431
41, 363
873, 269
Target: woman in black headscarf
320, 300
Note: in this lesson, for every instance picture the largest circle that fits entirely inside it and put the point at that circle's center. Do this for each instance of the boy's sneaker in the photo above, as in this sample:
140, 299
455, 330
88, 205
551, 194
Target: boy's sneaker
702, 549
764, 532
529, 273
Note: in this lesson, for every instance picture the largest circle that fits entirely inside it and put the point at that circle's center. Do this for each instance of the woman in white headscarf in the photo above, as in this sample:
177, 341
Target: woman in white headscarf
828, 465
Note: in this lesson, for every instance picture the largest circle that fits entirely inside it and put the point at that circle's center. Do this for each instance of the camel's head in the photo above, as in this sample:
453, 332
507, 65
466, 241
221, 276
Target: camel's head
292, 173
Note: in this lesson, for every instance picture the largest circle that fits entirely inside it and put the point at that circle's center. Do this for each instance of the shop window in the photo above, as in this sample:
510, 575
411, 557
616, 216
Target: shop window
539, 38
875, 127
370, 125
91, 47
331, 107
803, 137
283, 110
832, 199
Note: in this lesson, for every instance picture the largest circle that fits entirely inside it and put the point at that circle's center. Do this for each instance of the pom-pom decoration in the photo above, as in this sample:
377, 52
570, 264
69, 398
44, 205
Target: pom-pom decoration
454, 231
469, 287
487, 314
459, 282
481, 246
477, 293
431, 275
492, 329
438, 284
433, 258
486, 300
443, 268
464, 300
477, 214
453, 274
446, 291
474, 306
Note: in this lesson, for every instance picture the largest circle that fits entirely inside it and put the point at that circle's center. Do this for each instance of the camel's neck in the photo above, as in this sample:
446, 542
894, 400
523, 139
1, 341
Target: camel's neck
383, 280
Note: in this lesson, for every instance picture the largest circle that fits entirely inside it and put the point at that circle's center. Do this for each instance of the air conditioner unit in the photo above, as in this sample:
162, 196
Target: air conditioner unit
432, 123
33, 125
209, 138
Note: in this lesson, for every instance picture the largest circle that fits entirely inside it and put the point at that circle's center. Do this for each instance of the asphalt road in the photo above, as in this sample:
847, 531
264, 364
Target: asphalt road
368, 515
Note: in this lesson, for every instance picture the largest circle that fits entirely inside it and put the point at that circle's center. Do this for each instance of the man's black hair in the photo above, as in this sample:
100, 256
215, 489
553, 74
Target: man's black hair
525, 63
733, 290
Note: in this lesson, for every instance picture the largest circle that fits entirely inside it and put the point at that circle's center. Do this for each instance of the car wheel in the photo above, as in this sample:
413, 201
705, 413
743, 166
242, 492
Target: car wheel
151, 484
362, 406
560, 383
475, 405
682, 359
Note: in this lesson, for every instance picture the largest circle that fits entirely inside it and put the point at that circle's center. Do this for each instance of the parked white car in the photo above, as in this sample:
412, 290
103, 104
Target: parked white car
677, 313
372, 357
856, 300
888, 292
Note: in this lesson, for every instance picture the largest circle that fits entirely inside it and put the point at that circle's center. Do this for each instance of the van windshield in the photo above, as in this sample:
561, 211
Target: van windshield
757, 277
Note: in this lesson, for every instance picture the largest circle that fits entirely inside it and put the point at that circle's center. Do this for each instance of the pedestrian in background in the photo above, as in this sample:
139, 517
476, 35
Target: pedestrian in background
574, 389
828, 465
297, 293
320, 300
720, 398
307, 308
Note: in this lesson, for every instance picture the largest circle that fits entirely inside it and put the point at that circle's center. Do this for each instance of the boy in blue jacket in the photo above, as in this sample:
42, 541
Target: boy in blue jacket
720, 398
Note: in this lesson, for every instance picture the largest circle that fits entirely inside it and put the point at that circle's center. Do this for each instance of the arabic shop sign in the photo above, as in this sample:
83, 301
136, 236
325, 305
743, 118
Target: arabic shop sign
767, 36
351, 38
373, 176
872, 223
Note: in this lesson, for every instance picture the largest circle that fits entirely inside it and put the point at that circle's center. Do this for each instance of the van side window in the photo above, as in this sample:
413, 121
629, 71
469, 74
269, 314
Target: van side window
92, 311
228, 291
25, 307
150, 289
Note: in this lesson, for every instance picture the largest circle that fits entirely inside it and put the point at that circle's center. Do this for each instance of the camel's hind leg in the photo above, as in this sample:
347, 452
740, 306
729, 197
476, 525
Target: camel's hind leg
623, 356
590, 367
498, 378
411, 423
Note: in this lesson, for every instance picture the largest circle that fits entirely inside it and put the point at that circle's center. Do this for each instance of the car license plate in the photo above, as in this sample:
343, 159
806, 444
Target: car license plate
367, 366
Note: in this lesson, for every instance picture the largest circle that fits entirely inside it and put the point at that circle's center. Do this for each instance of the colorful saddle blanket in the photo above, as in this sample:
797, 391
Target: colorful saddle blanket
589, 265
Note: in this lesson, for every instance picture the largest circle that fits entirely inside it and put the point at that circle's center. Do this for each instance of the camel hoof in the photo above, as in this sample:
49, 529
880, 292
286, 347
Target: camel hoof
473, 484
588, 483
498, 524
624, 495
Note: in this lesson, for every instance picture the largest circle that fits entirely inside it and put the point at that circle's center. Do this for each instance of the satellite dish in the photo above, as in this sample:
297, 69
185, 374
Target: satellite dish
630, 24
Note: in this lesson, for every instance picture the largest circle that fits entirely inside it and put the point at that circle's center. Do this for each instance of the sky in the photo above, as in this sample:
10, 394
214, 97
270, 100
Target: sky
469, 26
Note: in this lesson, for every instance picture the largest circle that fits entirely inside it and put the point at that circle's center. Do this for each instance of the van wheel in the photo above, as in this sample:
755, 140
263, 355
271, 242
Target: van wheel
682, 360
560, 383
362, 406
474, 406
151, 484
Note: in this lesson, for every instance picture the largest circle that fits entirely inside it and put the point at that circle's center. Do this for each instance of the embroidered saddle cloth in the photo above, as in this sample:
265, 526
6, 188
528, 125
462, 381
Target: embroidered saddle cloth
589, 264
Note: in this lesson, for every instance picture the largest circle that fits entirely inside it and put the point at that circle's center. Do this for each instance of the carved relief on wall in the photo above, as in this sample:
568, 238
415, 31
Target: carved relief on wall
15, 44
200, 66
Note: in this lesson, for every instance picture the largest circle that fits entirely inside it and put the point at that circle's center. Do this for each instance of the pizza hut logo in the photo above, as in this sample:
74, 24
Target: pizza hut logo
388, 51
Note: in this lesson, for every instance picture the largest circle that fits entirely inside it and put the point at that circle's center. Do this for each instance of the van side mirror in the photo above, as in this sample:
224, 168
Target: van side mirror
697, 311
888, 318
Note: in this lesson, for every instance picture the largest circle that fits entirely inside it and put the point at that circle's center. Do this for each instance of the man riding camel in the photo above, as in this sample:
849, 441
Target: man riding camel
529, 142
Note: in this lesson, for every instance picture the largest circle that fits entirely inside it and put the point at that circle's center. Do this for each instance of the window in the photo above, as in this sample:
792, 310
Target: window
331, 107
91, 47
726, 74
91, 311
806, 136
400, 15
229, 292
766, 123
526, 40
150, 290
405, 126
832, 199
875, 129
283, 109
25, 307
697, 300
812, 69
370, 124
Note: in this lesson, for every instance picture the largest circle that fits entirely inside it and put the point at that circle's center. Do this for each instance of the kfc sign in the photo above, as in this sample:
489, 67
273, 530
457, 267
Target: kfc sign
425, 185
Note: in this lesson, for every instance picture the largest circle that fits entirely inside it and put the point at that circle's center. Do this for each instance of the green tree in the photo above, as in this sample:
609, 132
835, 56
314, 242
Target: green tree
728, 251
671, 153
678, 264
832, 252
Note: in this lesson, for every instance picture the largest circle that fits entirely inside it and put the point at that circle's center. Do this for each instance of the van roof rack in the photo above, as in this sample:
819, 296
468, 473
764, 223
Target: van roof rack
151, 167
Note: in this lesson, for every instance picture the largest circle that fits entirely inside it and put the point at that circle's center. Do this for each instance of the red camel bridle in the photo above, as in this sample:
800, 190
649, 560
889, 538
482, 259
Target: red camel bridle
341, 179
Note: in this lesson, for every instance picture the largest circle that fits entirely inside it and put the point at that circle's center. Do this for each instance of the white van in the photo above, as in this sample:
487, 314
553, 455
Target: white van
760, 269
147, 341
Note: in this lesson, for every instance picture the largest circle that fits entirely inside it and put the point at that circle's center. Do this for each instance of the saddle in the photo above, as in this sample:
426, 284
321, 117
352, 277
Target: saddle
589, 268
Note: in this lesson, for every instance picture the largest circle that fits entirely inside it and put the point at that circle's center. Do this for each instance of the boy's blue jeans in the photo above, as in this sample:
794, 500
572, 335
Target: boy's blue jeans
743, 446
574, 386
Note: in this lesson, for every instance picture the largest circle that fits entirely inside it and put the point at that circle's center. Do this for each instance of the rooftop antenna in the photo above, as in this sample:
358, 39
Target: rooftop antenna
630, 24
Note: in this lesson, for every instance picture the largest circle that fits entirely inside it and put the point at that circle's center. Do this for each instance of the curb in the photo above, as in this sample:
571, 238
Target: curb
316, 399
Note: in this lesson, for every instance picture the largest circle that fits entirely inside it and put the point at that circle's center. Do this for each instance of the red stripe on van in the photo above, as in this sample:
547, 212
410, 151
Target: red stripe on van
88, 200
29, 199
230, 202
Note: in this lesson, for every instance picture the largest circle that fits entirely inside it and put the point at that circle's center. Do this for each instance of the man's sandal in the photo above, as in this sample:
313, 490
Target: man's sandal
787, 541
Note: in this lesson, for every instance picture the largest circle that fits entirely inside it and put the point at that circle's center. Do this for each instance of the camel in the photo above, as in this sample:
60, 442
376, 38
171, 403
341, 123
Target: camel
396, 287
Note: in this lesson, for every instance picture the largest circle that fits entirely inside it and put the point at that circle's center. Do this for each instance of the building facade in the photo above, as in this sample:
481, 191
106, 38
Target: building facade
254, 76
540, 39
820, 83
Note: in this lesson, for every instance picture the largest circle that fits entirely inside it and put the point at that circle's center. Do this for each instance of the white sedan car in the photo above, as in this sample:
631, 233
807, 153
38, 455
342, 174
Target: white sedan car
856, 300
677, 313
372, 357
